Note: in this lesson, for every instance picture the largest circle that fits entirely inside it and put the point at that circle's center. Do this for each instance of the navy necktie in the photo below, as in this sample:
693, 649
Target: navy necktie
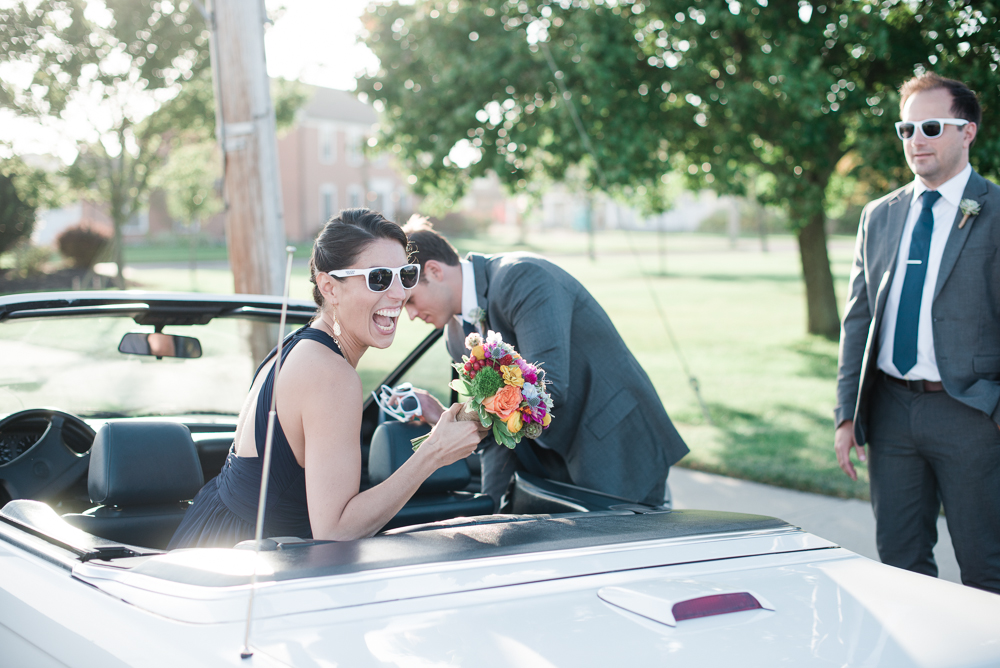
467, 327
904, 344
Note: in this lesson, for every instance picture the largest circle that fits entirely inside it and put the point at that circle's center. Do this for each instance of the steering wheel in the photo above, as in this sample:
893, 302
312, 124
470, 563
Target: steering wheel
54, 462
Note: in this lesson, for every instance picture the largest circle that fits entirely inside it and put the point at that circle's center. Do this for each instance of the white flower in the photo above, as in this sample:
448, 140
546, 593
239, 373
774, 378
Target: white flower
969, 207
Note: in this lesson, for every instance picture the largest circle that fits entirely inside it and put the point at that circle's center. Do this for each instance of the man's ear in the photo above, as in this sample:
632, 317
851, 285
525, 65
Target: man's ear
970, 130
432, 269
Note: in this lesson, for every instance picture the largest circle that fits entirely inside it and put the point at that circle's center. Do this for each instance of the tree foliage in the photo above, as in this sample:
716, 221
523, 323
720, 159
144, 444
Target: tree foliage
132, 57
777, 93
17, 217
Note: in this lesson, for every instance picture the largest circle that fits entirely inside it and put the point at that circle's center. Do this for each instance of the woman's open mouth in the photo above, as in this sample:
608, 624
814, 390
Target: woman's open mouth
385, 319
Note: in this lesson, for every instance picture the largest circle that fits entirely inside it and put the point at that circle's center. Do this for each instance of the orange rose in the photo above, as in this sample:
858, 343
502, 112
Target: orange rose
477, 353
504, 402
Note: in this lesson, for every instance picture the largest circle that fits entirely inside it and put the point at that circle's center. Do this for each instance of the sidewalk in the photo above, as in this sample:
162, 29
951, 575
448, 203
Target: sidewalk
847, 522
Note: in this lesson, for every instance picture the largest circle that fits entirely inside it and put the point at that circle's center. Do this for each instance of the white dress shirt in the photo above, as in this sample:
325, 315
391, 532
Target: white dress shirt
469, 299
944, 210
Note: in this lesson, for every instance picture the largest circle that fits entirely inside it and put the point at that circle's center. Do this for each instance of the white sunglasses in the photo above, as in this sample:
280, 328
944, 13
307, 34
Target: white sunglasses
930, 128
406, 405
380, 278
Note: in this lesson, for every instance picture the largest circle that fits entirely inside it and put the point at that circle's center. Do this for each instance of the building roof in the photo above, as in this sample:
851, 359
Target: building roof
338, 105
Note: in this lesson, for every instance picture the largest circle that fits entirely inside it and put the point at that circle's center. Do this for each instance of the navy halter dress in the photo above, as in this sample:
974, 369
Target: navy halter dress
224, 512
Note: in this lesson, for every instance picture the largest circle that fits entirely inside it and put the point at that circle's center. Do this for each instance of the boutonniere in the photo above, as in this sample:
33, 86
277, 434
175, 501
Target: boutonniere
970, 208
477, 315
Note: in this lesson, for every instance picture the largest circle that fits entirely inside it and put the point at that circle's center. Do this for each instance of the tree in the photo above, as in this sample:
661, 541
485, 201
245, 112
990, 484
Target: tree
17, 217
134, 57
716, 89
189, 180
23, 190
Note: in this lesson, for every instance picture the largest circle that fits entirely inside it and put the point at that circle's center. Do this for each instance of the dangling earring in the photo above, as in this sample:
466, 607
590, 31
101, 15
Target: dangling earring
336, 325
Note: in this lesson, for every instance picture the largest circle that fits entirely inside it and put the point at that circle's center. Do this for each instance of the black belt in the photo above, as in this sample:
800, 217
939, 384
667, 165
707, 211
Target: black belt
916, 385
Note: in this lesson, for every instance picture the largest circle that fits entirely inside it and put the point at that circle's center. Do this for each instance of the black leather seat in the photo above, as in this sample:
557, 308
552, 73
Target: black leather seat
440, 497
143, 475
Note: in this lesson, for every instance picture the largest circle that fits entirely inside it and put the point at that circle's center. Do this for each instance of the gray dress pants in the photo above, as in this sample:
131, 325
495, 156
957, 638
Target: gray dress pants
928, 449
499, 464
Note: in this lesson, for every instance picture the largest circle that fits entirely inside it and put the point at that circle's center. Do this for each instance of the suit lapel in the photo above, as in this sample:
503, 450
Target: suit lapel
974, 189
482, 282
899, 206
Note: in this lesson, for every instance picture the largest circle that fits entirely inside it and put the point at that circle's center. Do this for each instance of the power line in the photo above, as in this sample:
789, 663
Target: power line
568, 101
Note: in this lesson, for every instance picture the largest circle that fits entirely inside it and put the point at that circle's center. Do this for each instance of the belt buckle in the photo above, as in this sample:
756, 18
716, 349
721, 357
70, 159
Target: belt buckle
915, 385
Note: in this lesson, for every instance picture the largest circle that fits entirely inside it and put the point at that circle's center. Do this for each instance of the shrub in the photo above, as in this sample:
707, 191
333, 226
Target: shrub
17, 218
83, 244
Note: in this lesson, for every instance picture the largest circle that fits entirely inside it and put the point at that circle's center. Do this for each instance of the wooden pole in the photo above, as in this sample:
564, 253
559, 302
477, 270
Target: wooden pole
245, 127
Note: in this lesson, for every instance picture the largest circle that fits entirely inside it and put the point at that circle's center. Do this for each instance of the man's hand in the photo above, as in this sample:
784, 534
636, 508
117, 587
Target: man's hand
430, 408
843, 442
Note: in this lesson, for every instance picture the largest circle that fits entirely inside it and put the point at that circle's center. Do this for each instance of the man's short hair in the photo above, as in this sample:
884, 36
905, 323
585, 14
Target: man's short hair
428, 244
964, 103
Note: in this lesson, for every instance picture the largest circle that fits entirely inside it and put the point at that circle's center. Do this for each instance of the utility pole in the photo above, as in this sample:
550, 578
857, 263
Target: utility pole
245, 128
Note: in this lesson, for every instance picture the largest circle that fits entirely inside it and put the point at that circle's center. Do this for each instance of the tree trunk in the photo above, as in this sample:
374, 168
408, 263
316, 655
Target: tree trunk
821, 300
118, 242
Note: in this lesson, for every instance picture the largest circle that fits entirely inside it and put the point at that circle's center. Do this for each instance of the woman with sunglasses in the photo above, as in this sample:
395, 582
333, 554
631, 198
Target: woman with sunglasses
361, 277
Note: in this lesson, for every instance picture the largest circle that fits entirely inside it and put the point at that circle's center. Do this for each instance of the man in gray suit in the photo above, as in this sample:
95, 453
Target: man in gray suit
609, 430
919, 377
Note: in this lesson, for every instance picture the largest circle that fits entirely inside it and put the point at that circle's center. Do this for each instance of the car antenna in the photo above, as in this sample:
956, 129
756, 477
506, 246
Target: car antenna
265, 471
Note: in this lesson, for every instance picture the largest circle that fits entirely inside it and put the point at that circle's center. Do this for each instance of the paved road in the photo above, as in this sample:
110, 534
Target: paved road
847, 522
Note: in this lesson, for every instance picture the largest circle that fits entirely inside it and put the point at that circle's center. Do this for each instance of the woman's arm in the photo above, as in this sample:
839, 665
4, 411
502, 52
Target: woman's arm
330, 408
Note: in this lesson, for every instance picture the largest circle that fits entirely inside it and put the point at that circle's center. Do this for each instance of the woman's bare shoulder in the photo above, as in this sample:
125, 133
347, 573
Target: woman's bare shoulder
314, 367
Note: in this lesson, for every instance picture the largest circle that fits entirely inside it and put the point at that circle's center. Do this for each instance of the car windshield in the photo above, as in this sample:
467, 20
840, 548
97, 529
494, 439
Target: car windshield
73, 364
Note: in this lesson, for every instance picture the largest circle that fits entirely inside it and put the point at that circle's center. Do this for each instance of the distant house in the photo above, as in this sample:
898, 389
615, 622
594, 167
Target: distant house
324, 167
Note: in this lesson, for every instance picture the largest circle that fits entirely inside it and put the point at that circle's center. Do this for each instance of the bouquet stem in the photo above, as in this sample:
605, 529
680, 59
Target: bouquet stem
467, 414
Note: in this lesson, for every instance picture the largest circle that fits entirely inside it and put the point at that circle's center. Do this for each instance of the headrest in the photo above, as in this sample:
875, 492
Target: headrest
143, 463
391, 447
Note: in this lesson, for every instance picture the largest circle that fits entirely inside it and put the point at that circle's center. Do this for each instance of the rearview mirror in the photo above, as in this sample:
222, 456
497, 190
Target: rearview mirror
160, 345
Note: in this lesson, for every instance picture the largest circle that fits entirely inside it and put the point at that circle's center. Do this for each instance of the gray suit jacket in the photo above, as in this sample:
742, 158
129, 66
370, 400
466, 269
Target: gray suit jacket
965, 312
608, 423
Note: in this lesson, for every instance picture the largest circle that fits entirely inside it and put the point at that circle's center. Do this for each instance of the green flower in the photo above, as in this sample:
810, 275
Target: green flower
486, 383
970, 207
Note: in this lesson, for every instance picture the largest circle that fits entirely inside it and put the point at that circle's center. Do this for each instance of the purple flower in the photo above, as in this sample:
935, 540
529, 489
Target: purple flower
528, 371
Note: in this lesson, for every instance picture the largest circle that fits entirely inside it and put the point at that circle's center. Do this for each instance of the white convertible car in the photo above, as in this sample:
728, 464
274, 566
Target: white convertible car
118, 405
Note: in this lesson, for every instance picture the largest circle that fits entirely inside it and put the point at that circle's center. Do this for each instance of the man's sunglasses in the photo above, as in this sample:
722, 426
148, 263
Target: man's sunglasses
931, 128
380, 278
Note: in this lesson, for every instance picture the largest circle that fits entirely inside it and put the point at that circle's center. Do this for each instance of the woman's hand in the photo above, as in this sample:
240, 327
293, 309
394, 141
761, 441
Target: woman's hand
451, 440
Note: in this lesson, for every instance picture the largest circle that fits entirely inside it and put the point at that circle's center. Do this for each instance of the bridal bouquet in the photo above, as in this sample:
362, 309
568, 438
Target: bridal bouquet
507, 393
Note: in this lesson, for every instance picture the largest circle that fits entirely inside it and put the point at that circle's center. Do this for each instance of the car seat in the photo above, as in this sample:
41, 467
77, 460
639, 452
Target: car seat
442, 496
143, 476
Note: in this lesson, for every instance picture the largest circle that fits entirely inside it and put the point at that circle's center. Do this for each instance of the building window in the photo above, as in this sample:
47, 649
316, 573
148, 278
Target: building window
327, 145
355, 156
327, 202
355, 196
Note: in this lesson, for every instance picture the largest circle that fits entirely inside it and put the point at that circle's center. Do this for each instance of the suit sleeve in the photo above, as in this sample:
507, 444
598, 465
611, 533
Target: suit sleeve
854, 329
540, 311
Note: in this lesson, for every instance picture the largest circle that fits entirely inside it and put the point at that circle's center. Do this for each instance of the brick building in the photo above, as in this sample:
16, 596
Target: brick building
324, 168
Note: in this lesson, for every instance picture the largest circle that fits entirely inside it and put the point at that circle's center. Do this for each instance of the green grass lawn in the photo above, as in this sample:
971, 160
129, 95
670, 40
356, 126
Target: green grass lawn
738, 316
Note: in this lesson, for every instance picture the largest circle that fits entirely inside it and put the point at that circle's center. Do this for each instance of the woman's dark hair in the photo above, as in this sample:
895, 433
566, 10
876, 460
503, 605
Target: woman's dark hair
344, 237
